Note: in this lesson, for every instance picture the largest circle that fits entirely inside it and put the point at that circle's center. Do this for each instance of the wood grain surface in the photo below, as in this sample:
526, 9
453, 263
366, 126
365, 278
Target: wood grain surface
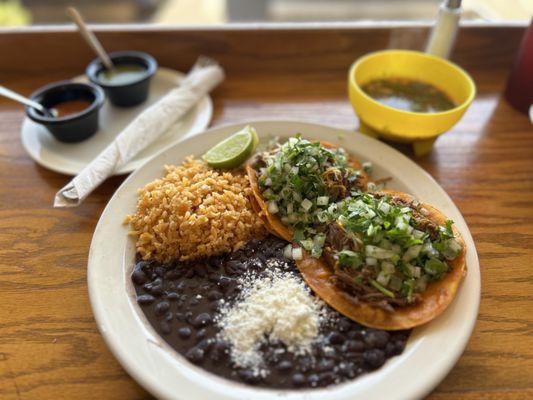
49, 344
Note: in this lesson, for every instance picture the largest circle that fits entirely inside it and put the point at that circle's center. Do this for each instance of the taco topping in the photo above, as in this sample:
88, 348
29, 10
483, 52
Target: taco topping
301, 182
384, 250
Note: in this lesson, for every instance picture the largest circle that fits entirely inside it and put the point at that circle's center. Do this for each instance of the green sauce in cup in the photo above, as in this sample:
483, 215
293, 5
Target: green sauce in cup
122, 74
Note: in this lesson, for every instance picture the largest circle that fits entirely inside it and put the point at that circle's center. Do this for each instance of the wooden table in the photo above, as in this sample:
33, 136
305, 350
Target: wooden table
49, 345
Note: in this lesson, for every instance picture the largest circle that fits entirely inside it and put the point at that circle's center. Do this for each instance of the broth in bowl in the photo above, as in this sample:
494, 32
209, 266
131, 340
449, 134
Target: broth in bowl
408, 95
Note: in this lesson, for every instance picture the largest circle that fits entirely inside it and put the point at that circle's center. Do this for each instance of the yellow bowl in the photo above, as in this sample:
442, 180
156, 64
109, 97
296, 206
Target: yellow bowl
418, 128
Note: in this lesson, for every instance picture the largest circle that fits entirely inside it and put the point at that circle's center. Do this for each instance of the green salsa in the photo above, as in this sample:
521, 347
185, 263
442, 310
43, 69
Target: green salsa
122, 74
408, 95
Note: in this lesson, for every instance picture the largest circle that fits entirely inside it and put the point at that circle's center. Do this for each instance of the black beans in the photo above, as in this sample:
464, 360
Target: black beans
214, 295
336, 338
202, 333
195, 355
161, 308
224, 282
313, 380
325, 365
169, 316
165, 327
201, 270
375, 358
173, 296
155, 287
326, 378
285, 365
220, 351
185, 332
377, 339
145, 299
249, 376
298, 380
344, 325
172, 274
194, 301
354, 346
183, 303
201, 320
205, 345
306, 363
139, 276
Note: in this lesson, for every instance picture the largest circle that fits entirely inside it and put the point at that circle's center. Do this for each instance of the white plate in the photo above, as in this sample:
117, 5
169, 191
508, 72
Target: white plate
431, 351
70, 158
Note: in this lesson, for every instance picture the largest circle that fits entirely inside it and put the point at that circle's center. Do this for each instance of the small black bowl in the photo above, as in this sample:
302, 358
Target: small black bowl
131, 93
70, 128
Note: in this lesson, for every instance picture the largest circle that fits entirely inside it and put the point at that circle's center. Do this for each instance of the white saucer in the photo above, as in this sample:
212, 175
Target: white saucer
70, 158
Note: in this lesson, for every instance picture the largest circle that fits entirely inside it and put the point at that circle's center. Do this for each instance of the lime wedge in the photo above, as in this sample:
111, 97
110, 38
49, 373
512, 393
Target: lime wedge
255, 136
233, 151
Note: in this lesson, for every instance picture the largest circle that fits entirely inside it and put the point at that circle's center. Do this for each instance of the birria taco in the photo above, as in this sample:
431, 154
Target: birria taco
382, 258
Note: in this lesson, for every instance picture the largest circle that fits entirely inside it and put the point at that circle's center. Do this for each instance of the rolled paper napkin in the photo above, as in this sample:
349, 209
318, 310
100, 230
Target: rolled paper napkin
205, 75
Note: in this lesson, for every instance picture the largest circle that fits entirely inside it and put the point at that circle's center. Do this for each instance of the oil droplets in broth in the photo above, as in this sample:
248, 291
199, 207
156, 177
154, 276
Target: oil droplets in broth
408, 95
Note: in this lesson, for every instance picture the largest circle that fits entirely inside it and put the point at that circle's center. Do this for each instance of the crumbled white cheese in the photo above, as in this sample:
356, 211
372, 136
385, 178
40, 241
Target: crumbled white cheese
276, 306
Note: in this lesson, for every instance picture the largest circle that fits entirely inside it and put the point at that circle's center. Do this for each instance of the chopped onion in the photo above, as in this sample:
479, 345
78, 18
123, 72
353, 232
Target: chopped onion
396, 248
452, 248
319, 240
387, 267
430, 250
322, 201
417, 234
395, 283
294, 170
306, 204
378, 252
383, 278
378, 237
421, 284
268, 182
289, 208
287, 251
272, 207
267, 194
371, 261
369, 214
412, 252
297, 253
296, 196
417, 272
402, 225
385, 244
410, 269
367, 167
307, 244
384, 207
